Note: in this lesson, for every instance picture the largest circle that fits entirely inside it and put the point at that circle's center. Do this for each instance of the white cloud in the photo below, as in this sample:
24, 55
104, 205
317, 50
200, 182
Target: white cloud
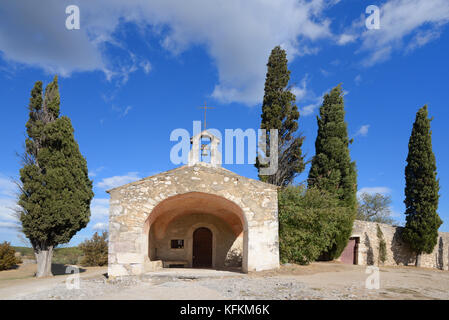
400, 19
95, 172
127, 109
422, 38
8, 225
116, 181
7, 209
346, 38
146, 66
310, 108
316, 102
34, 33
7, 187
405, 25
325, 72
363, 131
374, 190
99, 208
237, 34
122, 112
358, 79
100, 226
8, 204
301, 91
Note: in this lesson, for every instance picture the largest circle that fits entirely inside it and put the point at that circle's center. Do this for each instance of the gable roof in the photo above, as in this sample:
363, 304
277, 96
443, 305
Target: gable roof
219, 170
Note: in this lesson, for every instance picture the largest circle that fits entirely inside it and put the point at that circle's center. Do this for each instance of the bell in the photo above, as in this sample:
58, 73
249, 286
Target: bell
204, 149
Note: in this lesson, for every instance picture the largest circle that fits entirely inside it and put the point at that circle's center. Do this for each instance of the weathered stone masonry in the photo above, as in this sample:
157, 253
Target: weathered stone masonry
398, 252
241, 212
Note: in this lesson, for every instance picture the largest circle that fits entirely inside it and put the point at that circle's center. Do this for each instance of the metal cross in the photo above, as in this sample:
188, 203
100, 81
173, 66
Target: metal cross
205, 109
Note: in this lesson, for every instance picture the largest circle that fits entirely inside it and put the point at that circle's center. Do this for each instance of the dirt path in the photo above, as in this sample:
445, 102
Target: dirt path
316, 281
19, 283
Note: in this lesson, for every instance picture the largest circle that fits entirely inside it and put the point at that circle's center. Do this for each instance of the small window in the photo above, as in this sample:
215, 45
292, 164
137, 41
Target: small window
177, 244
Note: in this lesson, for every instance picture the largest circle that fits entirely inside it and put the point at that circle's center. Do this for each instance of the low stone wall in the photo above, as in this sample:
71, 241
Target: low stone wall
398, 252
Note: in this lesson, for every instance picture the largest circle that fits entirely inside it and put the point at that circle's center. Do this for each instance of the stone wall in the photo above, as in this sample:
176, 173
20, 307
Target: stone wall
132, 207
227, 247
398, 252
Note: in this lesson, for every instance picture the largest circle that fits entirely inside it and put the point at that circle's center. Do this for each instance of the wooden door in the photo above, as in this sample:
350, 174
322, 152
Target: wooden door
349, 254
202, 248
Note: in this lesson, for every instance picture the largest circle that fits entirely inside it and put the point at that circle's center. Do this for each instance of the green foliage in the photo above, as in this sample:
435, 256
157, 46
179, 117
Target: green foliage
95, 250
25, 251
56, 191
65, 255
375, 208
421, 188
69, 255
332, 170
279, 111
8, 258
382, 246
309, 222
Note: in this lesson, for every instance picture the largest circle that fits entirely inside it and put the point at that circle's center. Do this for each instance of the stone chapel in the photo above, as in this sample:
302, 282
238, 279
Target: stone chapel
199, 215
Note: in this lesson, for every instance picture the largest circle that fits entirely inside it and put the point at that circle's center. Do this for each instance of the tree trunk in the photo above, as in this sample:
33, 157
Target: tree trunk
418, 260
43, 258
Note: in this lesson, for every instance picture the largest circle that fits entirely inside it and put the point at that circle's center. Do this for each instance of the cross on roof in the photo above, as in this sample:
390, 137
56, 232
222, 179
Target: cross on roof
205, 109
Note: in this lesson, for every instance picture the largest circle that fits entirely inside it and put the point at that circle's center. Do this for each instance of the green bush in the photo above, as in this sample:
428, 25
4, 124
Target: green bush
309, 223
95, 250
69, 255
25, 252
8, 257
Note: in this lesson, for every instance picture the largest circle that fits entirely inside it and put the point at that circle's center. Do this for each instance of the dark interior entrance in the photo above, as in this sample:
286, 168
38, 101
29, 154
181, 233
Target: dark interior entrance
202, 248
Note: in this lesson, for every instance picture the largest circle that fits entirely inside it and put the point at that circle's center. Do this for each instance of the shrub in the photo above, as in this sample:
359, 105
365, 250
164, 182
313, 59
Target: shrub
309, 223
69, 255
382, 246
8, 257
95, 250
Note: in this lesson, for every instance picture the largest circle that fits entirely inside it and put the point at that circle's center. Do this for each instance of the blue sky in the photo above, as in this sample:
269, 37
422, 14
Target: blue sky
134, 72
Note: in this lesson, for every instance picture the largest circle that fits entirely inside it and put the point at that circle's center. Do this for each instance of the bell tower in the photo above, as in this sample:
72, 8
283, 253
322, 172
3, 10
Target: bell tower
209, 151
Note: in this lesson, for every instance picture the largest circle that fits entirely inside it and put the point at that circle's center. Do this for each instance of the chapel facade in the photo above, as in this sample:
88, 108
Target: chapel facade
199, 215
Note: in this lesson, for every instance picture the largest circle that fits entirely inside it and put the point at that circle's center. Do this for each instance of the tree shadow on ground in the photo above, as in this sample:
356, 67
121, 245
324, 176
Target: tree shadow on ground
64, 269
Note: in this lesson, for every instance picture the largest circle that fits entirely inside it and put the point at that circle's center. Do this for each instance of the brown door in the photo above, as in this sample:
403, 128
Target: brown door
349, 254
202, 248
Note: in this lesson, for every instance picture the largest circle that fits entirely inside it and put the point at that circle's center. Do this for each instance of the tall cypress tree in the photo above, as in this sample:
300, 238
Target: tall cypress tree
56, 191
332, 170
421, 189
280, 112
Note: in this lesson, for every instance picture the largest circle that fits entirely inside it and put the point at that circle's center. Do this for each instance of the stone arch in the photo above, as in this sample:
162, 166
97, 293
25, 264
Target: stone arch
217, 207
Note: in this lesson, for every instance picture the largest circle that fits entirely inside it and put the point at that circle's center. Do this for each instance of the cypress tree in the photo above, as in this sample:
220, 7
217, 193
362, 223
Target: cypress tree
421, 189
55, 188
332, 170
280, 112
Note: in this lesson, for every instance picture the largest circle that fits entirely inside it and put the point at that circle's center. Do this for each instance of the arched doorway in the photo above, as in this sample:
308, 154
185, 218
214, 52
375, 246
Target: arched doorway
175, 230
202, 248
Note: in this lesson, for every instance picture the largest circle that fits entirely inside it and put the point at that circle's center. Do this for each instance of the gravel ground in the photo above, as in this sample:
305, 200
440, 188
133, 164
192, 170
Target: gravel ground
317, 281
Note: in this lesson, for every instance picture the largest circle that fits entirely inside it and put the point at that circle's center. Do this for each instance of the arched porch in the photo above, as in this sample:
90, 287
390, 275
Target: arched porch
170, 227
